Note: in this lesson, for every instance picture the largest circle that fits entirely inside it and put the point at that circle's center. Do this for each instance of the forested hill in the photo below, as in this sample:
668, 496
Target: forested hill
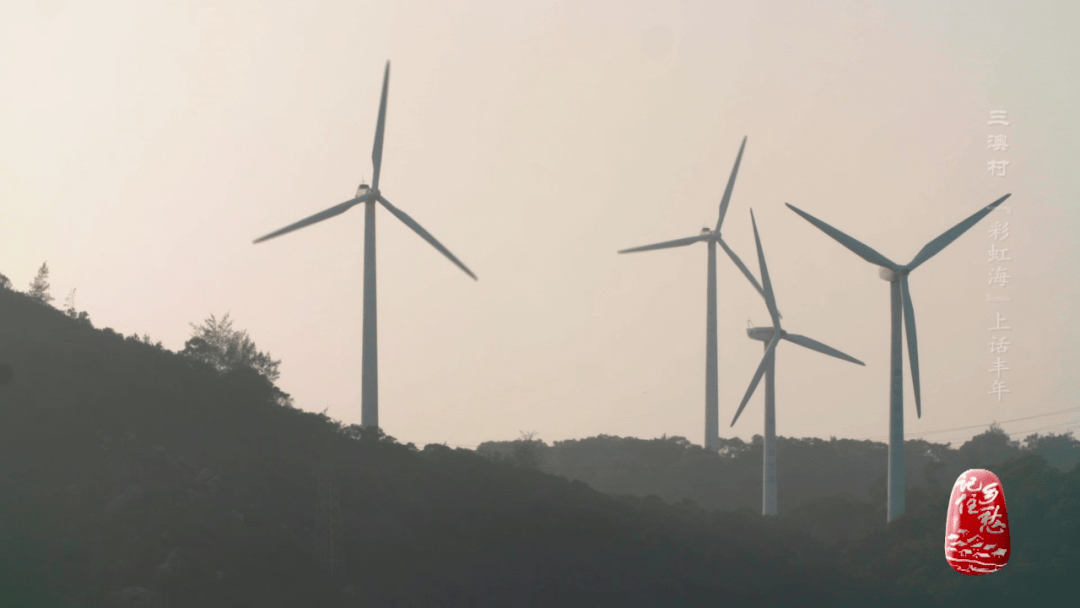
135, 476
808, 469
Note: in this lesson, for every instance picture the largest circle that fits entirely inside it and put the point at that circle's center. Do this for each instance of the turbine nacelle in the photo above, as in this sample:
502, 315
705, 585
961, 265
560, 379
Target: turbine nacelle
764, 334
365, 189
891, 275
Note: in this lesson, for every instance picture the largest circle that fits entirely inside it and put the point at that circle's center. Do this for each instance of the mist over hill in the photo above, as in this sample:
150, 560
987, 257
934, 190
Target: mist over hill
135, 476
809, 470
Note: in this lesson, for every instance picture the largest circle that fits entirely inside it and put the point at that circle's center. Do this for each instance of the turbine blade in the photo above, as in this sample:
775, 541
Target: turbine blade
770, 298
819, 347
667, 244
411, 223
318, 217
757, 376
746, 271
933, 247
380, 128
730, 186
855, 246
912, 343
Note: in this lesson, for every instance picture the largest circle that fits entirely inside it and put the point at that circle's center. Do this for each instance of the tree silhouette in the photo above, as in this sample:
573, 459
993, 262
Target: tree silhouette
988, 448
1061, 451
69, 309
5, 283
39, 287
528, 451
219, 345
146, 339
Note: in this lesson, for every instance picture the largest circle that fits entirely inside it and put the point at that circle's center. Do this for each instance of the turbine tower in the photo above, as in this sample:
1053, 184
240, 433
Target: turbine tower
712, 237
369, 412
771, 337
897, 276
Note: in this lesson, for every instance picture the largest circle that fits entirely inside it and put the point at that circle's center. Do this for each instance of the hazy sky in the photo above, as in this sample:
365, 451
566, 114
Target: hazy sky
144, 145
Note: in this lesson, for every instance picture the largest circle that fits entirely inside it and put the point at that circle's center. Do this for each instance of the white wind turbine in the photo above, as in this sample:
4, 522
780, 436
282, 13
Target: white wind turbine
369, 409
712, 237
897, 275
771, 336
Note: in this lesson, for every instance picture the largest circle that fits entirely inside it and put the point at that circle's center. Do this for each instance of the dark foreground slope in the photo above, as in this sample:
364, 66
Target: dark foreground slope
130, 475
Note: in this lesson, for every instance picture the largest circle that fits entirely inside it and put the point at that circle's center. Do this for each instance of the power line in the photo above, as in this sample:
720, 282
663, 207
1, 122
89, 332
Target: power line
976, 426
1071, 423
1060, 424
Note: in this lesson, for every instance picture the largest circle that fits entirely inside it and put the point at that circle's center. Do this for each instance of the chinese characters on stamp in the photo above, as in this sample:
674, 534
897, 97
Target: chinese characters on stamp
977, 537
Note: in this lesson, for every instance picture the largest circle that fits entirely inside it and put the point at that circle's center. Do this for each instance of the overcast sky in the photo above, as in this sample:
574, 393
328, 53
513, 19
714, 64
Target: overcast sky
145, 144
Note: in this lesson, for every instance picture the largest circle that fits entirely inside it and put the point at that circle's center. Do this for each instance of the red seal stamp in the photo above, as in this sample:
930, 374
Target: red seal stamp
977, 529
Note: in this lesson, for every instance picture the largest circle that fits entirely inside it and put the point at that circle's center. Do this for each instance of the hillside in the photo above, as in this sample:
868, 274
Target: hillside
809, 470
130, 475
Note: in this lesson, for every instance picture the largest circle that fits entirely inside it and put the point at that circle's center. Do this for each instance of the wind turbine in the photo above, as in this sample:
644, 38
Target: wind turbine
712, 237
771, 337
369, 409
897, 276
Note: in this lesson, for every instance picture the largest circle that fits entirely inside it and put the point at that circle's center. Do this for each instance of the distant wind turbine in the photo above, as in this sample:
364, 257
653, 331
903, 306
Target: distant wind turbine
712, 237
771, 336
369, 412
897, 275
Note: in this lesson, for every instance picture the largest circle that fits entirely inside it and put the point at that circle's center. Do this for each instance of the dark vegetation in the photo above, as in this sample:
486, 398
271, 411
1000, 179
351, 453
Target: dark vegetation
134, 476
811, 472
